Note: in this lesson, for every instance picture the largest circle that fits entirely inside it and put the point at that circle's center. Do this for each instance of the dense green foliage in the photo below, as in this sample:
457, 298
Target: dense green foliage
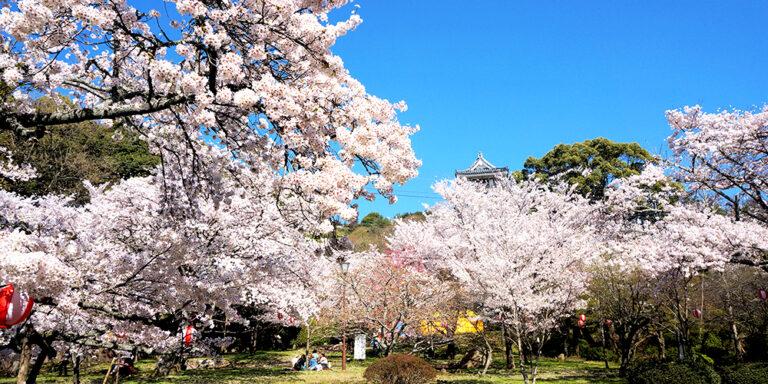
411, 216
373, 230
319, 333
746, 374
67, 155
590, 165
595, 352
653, 372
400, 369
374, 220
713, 347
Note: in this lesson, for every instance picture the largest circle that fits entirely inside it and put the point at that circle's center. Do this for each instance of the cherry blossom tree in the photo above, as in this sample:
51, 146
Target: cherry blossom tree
256, 78
390, 294
623, 302
658, 226
262, 136
650, 226
519, 248
724, 154
118, 266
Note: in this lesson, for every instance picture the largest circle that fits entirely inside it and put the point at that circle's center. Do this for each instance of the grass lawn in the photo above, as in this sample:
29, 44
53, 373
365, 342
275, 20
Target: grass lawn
272, 367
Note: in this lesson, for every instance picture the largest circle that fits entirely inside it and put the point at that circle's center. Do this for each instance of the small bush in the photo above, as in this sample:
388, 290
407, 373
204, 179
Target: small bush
704, 358
712, 345
651, 372
595, 353
746, 374
400, 369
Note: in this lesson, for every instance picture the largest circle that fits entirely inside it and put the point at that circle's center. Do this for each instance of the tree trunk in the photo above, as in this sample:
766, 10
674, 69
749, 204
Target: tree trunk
306, 362
662, 345
170, 363
63, 365
393, 334
488, 354
683, 326
508, 358
76, 369
254, 340
605, 342
431, 350
29, 369
626, 343
680, 346
577, 349
25, 361
388, 348
738, 345
626, 356
37, 366
451, 350
521, 353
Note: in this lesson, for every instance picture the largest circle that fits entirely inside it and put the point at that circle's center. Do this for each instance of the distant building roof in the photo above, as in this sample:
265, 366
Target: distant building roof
482, 169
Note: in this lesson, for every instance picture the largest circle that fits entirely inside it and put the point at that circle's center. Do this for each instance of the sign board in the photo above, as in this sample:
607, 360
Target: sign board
360, 347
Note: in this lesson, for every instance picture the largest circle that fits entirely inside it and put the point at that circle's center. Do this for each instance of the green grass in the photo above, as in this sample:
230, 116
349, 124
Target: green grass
273, 368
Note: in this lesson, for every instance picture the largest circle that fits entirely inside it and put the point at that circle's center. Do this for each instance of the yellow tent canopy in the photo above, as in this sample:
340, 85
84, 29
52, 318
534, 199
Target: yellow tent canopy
468, 322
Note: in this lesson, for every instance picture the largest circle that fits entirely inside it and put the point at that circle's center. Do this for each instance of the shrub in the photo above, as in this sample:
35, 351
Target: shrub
400, 369
652, 372
713, 347
746, 374
704, 358
595, 353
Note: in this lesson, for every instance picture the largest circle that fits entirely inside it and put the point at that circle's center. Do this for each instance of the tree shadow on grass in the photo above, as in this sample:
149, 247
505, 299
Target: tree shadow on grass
260, 358
581, 375
245, 368
227, 374
593, 377
463, 381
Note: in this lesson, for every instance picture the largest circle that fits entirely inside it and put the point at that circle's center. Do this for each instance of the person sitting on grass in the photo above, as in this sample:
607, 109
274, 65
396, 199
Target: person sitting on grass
324, 363
313, 364
298, 363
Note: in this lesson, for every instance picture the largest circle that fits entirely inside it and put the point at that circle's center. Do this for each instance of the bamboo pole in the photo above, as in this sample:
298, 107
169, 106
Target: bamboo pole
109, 370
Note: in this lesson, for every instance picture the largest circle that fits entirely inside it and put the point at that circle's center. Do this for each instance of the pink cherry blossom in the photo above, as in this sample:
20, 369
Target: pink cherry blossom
520, 249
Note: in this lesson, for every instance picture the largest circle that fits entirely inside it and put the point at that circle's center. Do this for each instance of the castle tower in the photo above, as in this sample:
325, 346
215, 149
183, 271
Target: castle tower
483, 171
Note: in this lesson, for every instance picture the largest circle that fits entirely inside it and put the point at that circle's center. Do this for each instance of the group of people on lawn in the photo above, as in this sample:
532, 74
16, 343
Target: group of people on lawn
317, 362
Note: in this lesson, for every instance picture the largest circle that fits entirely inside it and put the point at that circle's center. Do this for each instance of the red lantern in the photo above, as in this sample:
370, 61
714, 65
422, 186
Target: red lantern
187, 334
762, 294
15, 306
697, 313
583, 317
608, 322
581, 323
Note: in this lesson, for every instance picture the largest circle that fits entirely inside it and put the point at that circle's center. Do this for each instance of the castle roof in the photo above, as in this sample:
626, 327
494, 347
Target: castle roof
482, 167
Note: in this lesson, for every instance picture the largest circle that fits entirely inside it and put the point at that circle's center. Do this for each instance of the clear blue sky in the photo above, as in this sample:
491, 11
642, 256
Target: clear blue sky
514, 78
